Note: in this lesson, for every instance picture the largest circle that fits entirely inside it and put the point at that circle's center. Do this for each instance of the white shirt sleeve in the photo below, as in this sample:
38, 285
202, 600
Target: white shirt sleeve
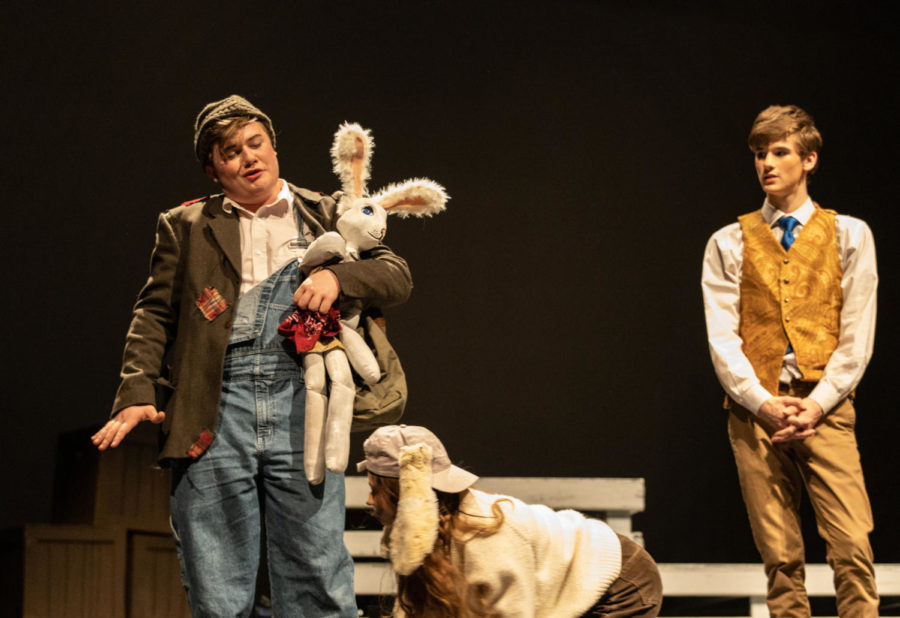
859, 285
721, 284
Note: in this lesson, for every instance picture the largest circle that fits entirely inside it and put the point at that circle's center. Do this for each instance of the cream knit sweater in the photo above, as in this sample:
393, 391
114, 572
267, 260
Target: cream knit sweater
540, 562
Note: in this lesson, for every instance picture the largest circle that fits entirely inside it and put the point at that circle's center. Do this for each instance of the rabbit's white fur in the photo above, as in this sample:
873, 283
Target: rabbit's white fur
361, 225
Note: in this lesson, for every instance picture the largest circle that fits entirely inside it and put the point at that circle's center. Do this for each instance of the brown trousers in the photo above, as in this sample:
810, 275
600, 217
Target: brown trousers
772, 476
637, 593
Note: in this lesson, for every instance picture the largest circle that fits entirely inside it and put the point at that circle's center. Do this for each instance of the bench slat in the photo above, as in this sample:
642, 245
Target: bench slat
373, 579
625, 495
363, 543
748, 579
681, 579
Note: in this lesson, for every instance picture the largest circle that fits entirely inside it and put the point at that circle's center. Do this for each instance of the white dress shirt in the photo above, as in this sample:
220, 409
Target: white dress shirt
269, 237
721, 283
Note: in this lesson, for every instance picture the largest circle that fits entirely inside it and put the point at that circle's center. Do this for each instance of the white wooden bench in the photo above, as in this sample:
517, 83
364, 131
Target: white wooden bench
613, 499
749, 581
616, 500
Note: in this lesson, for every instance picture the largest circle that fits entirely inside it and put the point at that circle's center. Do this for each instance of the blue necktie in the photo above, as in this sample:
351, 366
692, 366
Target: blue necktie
787, 224
787, 239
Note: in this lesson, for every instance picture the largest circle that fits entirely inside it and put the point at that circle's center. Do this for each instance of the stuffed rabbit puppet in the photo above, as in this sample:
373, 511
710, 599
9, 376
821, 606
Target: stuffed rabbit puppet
361, 225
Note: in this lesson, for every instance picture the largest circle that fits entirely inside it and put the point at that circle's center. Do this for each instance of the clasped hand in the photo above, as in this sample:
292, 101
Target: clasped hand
793, 418
318, 291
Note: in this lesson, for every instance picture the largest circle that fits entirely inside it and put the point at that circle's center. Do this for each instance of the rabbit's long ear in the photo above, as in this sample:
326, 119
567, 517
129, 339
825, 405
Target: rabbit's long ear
419, 197
351, 156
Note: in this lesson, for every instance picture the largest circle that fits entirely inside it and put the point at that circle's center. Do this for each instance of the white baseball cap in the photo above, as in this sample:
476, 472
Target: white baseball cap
382, 451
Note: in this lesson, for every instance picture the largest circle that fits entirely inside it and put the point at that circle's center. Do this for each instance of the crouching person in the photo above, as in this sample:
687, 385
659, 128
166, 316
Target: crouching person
460, 552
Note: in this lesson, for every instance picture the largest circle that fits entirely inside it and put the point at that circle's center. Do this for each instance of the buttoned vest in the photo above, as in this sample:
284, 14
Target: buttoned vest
790, 296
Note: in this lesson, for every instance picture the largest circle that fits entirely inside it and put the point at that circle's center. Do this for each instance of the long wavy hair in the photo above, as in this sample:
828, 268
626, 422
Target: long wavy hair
437, 588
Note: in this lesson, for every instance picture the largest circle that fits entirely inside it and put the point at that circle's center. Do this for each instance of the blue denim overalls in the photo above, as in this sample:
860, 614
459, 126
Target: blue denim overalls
254, 467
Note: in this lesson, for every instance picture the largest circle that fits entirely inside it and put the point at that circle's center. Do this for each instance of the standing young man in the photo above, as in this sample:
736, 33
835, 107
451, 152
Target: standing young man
789, 294
203, 337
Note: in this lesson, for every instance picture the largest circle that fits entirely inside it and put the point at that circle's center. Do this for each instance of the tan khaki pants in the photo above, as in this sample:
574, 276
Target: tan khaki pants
772, 476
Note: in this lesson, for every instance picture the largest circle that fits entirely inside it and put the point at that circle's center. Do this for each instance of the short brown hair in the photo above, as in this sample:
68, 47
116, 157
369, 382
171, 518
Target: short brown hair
782, 121
223, 130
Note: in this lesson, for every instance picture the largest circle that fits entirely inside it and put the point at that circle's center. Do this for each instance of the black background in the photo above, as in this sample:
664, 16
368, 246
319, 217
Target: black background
590, 149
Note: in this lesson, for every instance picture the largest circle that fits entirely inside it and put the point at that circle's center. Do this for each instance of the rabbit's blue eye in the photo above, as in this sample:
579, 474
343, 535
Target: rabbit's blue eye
367, 210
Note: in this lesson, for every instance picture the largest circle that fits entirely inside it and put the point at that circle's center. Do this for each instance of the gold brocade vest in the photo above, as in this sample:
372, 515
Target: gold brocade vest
790, 296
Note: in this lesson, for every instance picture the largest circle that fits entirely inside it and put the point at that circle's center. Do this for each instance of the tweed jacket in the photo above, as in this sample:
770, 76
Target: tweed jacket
174, 355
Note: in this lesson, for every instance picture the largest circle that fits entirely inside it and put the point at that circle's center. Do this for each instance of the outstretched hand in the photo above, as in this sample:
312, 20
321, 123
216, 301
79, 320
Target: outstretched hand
115, 430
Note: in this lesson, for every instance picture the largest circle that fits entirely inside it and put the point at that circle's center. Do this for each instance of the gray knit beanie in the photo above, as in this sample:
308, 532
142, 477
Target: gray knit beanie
229, 107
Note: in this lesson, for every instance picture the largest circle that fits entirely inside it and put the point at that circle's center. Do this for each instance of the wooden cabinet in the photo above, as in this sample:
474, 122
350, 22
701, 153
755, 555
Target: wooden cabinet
154, 579
120, 486
64, 570
109, 552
